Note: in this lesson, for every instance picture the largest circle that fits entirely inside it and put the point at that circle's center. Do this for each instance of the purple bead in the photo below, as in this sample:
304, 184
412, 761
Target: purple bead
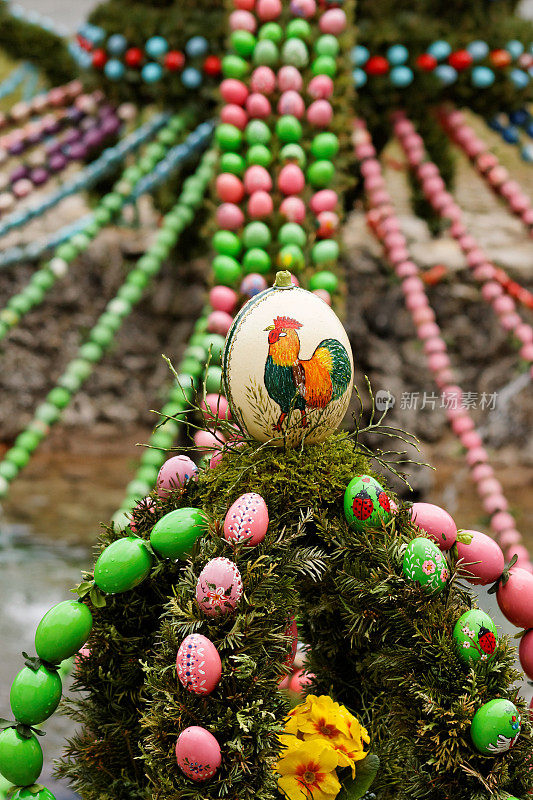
34, 138
93, 138
71, 136
106, 110
18, 173
77, 151
51, 128
74, 115
57, 162
87, 123
38, 176
16, 148
54, 146
110, 126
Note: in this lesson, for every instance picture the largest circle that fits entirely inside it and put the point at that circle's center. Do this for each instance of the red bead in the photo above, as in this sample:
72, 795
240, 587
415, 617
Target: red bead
174, 60
212, 65
99, 58
377, 65
460, 60
426, 62
500, 58
134, 56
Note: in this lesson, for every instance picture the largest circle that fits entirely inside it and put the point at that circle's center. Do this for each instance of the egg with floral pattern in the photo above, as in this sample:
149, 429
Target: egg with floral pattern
219, 587
424, 563
198, 664
198, 753
247, 520
476, 636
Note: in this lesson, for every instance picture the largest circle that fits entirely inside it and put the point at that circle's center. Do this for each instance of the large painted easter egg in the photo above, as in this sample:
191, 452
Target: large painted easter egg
287, 366
366, 503
495, 727
424, 563
198, 664
198, 753
482, 557
476, 636
435, 523
219, 587
247, 519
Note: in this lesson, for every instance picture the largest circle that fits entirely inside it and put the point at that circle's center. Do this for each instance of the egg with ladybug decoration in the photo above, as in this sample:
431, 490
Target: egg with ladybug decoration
366, 504
287, 366
475, 636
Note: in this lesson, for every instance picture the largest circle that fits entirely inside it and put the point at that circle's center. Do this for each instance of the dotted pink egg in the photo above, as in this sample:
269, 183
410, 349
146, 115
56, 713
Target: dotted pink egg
436, 522
257, 179
174, 474
260, 205
263, 80
291, 102
289, 78
293, 209
247, 520
198, 664
219, 587
198, 753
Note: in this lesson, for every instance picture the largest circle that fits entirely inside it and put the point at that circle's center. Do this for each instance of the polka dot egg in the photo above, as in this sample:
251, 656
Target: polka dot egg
198, 664
247, 520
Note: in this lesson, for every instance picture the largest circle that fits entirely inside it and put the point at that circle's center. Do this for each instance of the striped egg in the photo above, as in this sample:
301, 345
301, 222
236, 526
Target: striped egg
247, 520
198, 664
219, 587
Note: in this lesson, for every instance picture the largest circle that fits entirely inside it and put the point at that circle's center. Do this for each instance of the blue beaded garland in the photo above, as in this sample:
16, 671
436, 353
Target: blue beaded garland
359, 78
519, 116
191, 78
117, 44
152, 72
401, 76
397, 54
478, 49
114, 69
482, 77
197, 46
439, 49
360, 55
446, 74
156, 46
519, 78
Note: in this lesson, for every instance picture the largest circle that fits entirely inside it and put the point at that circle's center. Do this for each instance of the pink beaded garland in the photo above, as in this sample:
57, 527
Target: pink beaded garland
289, 78
263, 79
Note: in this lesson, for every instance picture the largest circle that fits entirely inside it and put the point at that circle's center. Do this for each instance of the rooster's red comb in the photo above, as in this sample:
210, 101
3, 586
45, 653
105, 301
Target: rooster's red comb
286, 322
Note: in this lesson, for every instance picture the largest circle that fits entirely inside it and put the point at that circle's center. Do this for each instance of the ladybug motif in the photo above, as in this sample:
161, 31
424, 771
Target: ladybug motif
486, 640
363, 507
384, 502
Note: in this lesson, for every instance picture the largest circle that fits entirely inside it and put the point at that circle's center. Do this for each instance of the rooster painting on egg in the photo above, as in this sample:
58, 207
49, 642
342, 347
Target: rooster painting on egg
287, 366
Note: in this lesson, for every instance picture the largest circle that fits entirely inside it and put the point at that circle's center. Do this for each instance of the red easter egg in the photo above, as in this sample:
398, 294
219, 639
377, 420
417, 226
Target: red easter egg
219, 587
426, 62
436, 522
232, 114
198, 664
525, 652
174, 60
247, 520
460, 60
234, 91
229, 188
134, 57
487, 555
198, 753
99, 58
212, 65
515, 598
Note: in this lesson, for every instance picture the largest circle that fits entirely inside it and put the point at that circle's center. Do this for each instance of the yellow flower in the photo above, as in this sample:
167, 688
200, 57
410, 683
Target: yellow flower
308, 772
323, 719
356, 730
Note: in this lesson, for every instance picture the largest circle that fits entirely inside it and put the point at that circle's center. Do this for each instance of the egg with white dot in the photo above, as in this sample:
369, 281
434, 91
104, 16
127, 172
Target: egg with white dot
247, 520
198, 664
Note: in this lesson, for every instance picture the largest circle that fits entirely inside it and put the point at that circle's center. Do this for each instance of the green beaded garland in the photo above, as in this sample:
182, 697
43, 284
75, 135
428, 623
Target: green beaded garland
288, 128
256, 234
321, 173
17, 456
214, 343
35, 695
227, 243
174, 535
123, 565
325, 145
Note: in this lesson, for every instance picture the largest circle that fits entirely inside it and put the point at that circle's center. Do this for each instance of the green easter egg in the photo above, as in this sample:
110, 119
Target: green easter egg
28, 794
321, 173
213, 380
294, 52
62, 631
232, 162
226, 270
476, 636
227, 243
175, 533
289, 129
325, 145
243, 42
366, 504
259, 154
272, 31
214, 343
293, 152
234, 66
256, 234
327, 45
495, 727
266, 53
291, 233
291, 257
424, 563
324, 280
256, 260
21, 760
298, 29
228, 137
325, 251
324, 65
123, 565
257, 132
35, 695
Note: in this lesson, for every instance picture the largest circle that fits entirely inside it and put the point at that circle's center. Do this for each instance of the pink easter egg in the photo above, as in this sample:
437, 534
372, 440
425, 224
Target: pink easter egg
324, 200
289, 78
292, 633
482, 557
293, 209
234, 91
263, 80
294, 280
300, 680
222, 298
198, 664
252, 284
292, 103
247, 520
82, 655
215, 459
436, 522
525, 652
144, 505
219, 322
229, 188
229, 216
268, 10
291, 179
515, 598
258, 106
303, 8
217, 405
232, 114
327, 224
198, 753
207, 441
219, 587
320, 87
260, 205
333, 21
320, 113
241, 20
257, 179
247, 5
174, 474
